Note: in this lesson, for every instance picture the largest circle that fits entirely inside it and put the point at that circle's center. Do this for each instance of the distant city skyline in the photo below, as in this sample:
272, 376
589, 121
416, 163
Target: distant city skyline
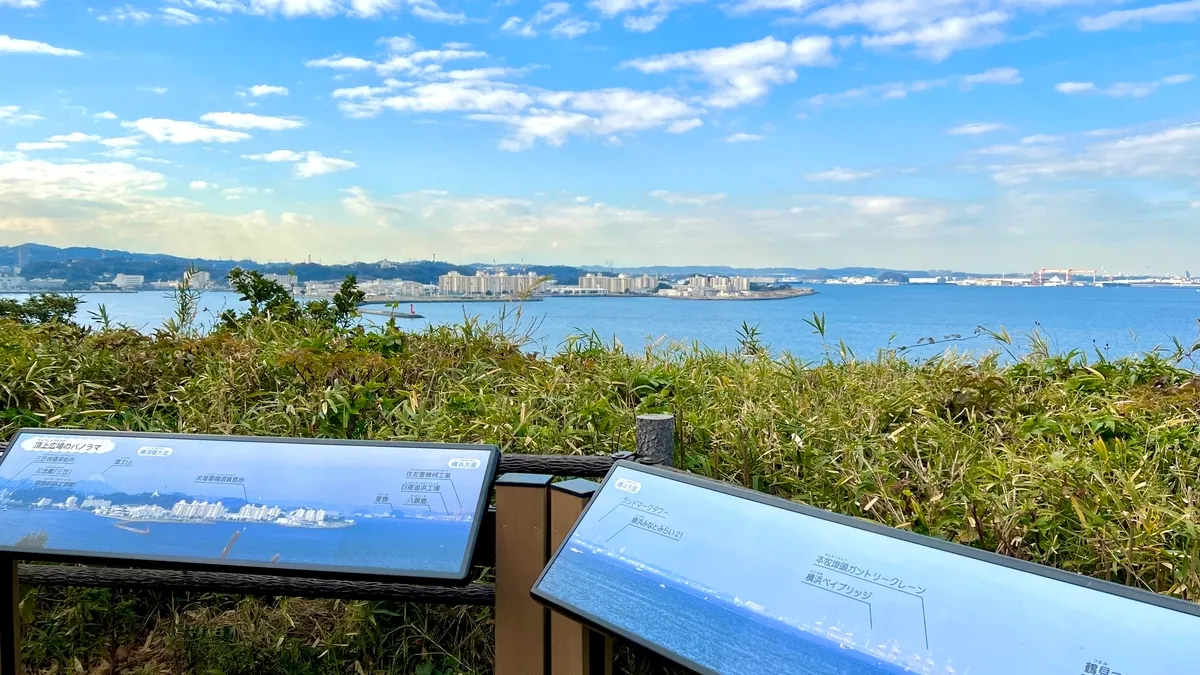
980, 135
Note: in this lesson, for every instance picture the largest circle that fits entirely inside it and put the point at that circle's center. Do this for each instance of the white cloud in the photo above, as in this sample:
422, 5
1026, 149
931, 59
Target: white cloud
339, 62
683, 126
572, 28
976, 129
743, 138
1075, 87
199, 185
995, 76
1038, 139
1166, 154
234, 120
11, 114
179, 17
675, 198
73, 137
41, 145
22, 4
307, 164
519, 26
939, 39
159, 91
122, 142
568, 27
17, 46
840, 175
126, 13
267, 90
901, 90
432, 12
178, 131
277, 156
403, 44
106, 115
644, 15
372, 8
1124, 89
1172, 12
744, 72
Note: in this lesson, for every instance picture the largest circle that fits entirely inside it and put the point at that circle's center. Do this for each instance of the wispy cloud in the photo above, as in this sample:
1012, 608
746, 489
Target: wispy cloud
1172, 12
976, 129
743, 138
1124, 89
11, 45
840, 175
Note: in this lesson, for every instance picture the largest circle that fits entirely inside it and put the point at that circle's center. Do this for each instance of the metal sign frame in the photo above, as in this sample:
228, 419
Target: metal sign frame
952, 548
266, 568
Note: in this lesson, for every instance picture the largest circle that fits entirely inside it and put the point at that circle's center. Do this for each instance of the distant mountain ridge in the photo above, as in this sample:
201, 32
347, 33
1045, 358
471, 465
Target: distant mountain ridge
79, 265
85, 265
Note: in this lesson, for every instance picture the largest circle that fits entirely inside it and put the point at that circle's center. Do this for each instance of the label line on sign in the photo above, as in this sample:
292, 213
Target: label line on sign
870, 612
924, 624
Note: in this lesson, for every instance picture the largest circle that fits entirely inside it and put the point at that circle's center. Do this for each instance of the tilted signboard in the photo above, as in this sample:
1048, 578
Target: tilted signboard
726, 580
270, 505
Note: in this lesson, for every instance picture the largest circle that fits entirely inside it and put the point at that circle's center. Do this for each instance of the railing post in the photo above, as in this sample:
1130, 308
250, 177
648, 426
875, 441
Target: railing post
656, 438
10, 627
575, 649
522, 550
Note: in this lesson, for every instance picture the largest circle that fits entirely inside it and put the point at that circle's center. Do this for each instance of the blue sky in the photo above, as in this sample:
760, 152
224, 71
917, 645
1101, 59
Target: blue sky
973, 134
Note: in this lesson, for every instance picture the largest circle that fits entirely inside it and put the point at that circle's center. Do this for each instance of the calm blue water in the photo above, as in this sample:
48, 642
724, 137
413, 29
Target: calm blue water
386, 544
1118, 321
713, 635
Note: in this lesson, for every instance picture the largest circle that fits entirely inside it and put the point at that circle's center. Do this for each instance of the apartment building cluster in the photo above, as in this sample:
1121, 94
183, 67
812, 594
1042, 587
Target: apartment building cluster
621, 284
198, 509
487, 283
700, 286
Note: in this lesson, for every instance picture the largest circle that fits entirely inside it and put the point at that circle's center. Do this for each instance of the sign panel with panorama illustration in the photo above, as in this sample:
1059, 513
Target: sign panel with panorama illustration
727, 581
275, 505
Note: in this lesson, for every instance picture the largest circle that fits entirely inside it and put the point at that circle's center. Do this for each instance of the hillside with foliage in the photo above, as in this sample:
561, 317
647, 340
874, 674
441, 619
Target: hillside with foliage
1085, 464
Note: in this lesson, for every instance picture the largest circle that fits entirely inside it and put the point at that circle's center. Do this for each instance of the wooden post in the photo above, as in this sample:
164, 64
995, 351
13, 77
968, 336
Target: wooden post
656, 438
575, 649
10, 629
522, 550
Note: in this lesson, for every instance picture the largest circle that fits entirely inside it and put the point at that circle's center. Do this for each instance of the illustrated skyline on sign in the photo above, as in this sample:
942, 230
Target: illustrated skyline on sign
377, 509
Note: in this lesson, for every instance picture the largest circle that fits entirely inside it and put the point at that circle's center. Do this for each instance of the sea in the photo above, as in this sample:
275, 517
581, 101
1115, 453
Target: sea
712, 635
1113, 322
378, 545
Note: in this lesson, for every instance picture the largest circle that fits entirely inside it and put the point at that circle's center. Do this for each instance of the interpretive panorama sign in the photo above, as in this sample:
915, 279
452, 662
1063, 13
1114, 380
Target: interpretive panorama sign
270, 505
730, 581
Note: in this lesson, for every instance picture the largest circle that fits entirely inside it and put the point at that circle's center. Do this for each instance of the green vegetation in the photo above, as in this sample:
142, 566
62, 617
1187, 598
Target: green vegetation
1086, 464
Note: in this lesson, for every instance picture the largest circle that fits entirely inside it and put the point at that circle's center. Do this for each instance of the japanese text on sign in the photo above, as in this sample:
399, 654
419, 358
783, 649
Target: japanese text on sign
428, 473
53, 471
89, 446
421, 487
55, 483
55, 459
1098, 668
819, 580
643, 506
840, 565
219, 478
656, 528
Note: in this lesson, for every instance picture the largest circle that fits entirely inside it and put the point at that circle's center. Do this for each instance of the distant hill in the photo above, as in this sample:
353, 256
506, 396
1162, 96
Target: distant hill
84, 266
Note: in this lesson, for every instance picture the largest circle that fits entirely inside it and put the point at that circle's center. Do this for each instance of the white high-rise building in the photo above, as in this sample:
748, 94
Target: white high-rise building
129, 282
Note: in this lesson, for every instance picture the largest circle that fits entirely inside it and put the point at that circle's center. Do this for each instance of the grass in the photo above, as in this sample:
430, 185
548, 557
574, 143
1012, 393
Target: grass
1090, 465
